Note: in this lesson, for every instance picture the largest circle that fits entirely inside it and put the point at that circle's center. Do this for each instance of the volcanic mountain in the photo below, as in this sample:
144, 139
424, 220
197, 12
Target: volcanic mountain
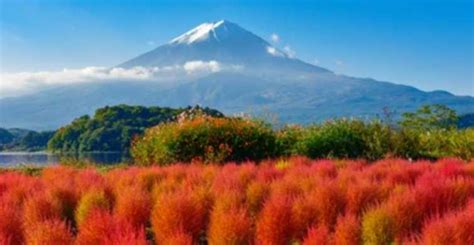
223, 66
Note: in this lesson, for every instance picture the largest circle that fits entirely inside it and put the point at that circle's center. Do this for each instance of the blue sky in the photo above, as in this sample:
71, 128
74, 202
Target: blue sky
427, 44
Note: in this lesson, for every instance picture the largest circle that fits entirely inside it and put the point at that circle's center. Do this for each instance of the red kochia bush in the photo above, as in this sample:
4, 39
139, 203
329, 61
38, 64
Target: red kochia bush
273, 225
178, 212
53, 231
91, 201
231, 226
454, 228
317, 235
10, 224
38, 209
347, 230
100, 227
133, 205
284, 201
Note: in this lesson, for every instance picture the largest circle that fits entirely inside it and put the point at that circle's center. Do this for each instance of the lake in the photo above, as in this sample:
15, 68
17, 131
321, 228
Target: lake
8, 159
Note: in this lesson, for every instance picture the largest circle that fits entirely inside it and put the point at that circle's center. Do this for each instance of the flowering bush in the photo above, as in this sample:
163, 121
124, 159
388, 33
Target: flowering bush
206, 139
284, 201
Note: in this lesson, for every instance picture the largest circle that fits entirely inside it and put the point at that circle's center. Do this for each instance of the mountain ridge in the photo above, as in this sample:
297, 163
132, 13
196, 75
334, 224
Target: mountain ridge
258, 79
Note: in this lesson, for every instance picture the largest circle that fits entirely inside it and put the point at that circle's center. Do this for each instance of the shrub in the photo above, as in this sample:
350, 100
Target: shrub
230, 226
281, 201
361, 195
126, 233
340, 138
344, 138
10, 223
287, 139
256, 194
100, 227
89, 202
52, 231
317, 235
448, 143
38, 209
178, 212
272, 225
347, 230
134, 206
179, 238
95, 227
304, 214
206, 139
322, 206
377, 227
455, 228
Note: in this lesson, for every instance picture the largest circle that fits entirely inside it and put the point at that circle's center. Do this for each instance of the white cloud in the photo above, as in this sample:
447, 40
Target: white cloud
13, 84
275, 38
275, 52
202, 66
289, 51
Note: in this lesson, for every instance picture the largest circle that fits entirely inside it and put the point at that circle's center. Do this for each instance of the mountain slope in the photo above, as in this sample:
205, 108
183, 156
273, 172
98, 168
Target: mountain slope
252, 76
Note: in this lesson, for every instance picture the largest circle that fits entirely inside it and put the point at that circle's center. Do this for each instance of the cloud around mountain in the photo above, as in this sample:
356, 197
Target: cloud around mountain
15, 84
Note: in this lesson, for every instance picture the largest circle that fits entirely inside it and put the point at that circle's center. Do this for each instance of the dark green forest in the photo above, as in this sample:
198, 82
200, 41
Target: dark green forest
112, 128
23, 140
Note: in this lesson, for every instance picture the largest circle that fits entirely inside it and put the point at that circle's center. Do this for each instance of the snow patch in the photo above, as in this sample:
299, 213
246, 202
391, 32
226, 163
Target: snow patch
199, 33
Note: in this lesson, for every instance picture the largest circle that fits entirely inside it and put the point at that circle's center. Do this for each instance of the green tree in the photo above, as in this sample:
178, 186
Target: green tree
112, 128
5, 136
430, 117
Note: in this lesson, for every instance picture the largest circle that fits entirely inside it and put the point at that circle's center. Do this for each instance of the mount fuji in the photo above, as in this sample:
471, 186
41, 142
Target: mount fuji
223, 66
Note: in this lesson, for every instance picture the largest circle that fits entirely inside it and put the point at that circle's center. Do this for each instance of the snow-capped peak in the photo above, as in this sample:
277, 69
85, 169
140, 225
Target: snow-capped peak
201, 32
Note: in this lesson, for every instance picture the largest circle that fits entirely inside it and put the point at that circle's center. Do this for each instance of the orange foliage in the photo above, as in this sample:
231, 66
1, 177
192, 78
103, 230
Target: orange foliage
53, 231
283, 201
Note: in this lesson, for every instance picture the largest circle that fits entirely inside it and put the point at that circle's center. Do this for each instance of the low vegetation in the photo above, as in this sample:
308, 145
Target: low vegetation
205, 139
430, 133
286, 201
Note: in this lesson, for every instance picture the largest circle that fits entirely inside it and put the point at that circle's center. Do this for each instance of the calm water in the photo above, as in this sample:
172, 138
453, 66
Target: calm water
44, 158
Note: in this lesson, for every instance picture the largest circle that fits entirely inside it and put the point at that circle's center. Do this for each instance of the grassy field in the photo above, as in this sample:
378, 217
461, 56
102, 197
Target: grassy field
292, 201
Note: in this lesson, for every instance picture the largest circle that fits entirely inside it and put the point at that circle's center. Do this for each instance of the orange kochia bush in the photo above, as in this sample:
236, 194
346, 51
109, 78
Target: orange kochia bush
284, 201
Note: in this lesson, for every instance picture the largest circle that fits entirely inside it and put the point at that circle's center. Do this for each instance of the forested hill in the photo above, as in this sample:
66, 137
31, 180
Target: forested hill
16, 139
113, 128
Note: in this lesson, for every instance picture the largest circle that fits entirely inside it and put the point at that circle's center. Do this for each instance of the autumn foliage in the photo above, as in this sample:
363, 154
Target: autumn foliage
284, 201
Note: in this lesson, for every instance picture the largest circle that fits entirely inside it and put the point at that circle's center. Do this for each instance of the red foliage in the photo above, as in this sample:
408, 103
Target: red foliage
10, 224
317, 235
179, 238
361, 195
329, 200
273, 224
347, 230
282, 201
133, 205
178, 212
53, 231
454, 228
38, 209
101, 228
231, 226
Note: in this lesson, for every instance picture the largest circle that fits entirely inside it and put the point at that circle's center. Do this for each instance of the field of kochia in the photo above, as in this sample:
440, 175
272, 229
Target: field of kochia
292, 201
